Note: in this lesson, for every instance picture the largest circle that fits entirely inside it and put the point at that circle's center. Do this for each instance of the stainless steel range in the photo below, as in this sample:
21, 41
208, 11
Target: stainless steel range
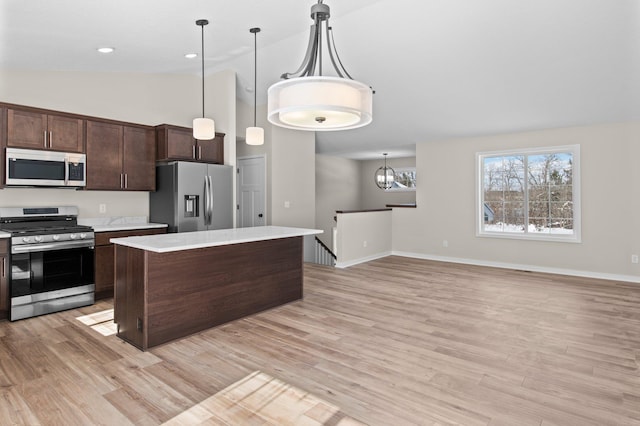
52, 260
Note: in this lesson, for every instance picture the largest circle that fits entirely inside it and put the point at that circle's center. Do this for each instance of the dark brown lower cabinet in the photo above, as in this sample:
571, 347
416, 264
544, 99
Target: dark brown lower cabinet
104, 258
160, 297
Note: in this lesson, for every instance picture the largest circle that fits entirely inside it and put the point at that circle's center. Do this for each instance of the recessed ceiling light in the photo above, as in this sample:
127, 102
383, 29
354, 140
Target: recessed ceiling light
106, 49
191, 55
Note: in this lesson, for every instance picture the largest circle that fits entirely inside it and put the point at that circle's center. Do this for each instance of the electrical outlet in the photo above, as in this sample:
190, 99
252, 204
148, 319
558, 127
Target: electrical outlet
364, 243
287, 204
102, 208
445, 243
634, 258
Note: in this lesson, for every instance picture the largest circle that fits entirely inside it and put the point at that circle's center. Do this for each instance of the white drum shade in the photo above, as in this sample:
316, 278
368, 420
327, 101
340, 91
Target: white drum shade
204, 128
320, 103
255, 136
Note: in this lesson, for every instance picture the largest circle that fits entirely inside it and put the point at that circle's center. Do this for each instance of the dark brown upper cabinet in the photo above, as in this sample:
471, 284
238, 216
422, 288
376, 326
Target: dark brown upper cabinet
37, 129
177, 143
120, 157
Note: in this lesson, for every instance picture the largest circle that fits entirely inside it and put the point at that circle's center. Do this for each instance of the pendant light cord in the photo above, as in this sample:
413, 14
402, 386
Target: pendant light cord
255, 75
385, 169
255, 32
202, 26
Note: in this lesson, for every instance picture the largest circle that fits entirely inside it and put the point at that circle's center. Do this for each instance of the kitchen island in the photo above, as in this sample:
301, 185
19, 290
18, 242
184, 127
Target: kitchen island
173, 285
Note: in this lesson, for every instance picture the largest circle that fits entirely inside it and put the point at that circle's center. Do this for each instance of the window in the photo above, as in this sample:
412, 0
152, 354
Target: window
404, 179
532, 194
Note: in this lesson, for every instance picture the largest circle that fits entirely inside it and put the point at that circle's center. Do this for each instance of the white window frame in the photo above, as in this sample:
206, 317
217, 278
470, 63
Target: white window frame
403, 169
575, 237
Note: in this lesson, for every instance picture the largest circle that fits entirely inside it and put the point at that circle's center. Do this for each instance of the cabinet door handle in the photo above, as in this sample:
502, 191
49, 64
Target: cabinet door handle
199, 152
121, 177
50, 139
4, 266
193, 152
126, 180
45, 138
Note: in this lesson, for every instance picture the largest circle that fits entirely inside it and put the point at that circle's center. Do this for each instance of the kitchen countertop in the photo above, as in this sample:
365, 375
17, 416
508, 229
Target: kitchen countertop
191, 240
5, 235
119, 223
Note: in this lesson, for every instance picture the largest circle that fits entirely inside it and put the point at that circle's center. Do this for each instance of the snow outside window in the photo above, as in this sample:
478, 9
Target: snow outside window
531, 194
404, 179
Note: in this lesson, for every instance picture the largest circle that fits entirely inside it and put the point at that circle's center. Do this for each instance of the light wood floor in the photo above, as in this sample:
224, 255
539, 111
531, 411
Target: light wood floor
261, 399
395, 341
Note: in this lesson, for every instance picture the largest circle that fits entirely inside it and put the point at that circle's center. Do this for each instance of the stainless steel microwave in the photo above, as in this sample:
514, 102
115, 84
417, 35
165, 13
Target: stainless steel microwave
29, 167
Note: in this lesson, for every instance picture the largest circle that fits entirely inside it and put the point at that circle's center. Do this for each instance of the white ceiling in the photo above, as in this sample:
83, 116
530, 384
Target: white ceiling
441, 68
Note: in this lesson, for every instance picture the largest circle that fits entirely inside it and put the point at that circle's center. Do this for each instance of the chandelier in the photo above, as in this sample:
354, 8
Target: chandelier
306, 101
385, 176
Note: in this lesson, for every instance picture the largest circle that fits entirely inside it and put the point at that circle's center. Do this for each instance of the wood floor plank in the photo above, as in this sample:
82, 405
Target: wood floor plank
392, 341
259, 399
14, 410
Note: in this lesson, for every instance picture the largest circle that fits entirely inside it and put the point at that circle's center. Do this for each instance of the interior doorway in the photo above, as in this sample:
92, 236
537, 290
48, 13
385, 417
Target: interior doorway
252, 187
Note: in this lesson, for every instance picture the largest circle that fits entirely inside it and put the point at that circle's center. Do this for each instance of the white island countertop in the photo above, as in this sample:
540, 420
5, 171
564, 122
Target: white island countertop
192, 240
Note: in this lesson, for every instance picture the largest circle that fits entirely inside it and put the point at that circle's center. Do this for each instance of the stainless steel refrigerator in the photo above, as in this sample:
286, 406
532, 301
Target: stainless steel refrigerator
192, 196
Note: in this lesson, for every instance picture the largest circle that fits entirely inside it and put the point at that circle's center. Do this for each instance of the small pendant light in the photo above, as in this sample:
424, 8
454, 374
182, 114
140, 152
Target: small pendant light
203, 128
255, 135
384, 176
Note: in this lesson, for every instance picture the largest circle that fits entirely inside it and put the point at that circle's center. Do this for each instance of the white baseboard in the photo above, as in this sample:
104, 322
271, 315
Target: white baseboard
362, 259
560, 271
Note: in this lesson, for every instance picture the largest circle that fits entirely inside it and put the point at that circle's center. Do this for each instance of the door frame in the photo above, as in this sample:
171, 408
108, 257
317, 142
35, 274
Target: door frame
264, 188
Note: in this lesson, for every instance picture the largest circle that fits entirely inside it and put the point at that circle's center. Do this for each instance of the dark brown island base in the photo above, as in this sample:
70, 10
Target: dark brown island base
173, 285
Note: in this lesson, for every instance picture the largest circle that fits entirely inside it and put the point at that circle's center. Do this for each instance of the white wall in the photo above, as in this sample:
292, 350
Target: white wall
344, 184
293, 178
363, 236
138, 98
337, 188
610, 204
376, 198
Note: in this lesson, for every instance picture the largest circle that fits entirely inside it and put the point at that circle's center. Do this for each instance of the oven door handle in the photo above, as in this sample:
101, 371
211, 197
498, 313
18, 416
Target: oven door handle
30, 248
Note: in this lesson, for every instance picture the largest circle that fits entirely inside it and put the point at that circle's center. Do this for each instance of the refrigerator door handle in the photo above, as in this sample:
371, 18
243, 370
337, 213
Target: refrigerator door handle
206, 200
210, 200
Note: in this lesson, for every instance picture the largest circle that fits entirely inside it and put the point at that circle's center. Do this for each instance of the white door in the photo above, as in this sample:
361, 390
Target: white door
251, 192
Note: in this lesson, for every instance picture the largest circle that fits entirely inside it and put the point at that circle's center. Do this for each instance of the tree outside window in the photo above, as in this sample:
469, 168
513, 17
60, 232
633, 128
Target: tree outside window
404, 179
530, 194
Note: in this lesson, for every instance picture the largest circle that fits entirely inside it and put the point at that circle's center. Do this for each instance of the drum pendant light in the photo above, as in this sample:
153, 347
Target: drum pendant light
203, 128
255, 135
316, 102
